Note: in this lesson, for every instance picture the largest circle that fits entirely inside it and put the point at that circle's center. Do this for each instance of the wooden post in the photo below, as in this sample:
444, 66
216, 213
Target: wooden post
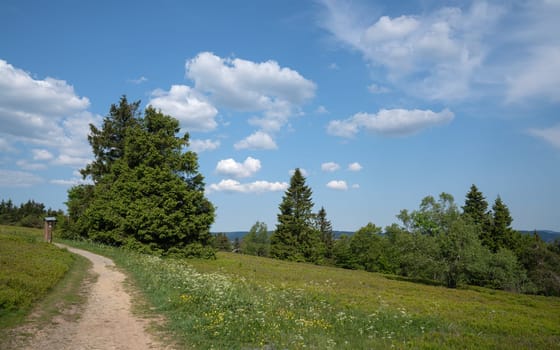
49, 224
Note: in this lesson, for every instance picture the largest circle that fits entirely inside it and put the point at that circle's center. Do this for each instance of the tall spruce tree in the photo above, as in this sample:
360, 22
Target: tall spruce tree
501, 233
476, 210
476, 206
108, 142
295, 237
147, 193
325, 228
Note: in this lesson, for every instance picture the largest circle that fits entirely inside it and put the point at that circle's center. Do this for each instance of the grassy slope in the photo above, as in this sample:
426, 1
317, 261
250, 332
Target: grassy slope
474, 318
242, 301
35, 275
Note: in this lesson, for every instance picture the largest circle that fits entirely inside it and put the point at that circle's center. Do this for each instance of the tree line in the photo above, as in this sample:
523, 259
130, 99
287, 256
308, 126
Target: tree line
147, 194
28, 214
436, 243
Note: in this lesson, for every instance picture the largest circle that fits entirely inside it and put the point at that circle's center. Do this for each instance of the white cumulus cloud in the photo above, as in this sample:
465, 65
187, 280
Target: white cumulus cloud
45, 113
392, 122
204, 145
434, 54
239, 170
33, 108
354, 166
41, 154
257, 140
189, 107
230, 185
330, 166
337, 185
277, 92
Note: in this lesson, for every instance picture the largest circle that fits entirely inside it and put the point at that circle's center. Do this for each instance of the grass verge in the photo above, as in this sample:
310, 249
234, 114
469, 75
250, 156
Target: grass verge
38, 282
245, 302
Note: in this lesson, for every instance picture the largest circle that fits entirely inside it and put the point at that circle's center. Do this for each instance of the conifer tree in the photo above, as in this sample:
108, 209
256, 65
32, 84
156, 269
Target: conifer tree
501, 232
295, 237
476, 206
108, 143
147, 192
476, 210
325, 228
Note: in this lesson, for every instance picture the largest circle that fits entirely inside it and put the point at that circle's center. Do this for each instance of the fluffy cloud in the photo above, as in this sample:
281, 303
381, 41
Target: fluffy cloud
257, 140
433, 54
441, 53
393, 122
253, 187
10, 178
41, 154
45, 113
32, 108
230, 167
189, 107
243, 85
354, 166
550, 135
330, 166
337, 185
204, 145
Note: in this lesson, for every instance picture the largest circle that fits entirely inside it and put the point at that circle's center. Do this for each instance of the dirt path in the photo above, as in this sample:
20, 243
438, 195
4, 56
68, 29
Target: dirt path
106, 321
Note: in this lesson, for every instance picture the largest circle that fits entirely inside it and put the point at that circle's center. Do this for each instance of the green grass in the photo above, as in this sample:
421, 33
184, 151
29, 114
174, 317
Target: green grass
246, 302
35, 273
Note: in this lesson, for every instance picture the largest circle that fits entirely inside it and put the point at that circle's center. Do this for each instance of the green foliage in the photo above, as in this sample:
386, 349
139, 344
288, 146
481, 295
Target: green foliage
108, 143
324, 226
29, 268
79, 199
461, 253
476, 207
147, 192
367, 248
28, 214
296, 237
256, 241
542, 263
413, 255
221, 242
501, 234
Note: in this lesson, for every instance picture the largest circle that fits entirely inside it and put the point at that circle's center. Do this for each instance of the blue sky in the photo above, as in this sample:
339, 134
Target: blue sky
381, 103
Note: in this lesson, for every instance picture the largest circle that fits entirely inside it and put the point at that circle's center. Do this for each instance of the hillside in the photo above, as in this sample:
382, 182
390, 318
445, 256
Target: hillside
546, 235
239, 301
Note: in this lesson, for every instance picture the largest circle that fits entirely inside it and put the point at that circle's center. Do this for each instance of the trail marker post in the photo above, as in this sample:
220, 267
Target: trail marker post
49, 225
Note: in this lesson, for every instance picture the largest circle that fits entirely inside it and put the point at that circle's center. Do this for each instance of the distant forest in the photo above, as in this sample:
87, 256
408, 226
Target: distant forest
28, 214
439, 243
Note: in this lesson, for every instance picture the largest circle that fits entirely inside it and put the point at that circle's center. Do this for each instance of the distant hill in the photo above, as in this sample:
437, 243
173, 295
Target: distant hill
546, 235
239, 234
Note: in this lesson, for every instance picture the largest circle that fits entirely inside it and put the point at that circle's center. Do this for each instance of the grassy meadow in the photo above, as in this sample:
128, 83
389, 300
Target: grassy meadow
247, 302
29, 270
